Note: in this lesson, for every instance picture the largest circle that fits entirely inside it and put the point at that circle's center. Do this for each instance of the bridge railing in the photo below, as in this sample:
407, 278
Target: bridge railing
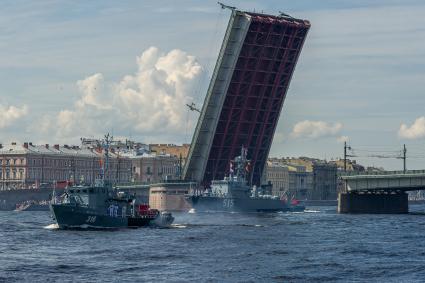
371, 173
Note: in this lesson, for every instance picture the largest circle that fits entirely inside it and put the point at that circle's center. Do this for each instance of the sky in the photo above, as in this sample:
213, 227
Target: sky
71, 69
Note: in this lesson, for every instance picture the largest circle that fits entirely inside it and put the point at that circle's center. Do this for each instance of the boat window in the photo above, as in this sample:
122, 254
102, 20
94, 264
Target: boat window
84, 198
71, 191
91, 191
79, 199
84, 191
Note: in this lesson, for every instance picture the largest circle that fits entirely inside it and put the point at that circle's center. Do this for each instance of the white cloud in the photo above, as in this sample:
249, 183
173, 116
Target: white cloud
342, 139
8, 115
415, 131
91, 87
150, 102
315, 129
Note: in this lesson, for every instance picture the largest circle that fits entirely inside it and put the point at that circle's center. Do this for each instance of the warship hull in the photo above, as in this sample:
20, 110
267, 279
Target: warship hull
74, 217
214, 203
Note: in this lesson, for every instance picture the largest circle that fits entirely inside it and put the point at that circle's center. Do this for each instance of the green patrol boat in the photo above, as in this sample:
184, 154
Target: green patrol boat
103, 206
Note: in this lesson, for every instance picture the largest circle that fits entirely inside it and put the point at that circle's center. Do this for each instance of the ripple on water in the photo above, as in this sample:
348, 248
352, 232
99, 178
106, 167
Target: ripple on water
283, 247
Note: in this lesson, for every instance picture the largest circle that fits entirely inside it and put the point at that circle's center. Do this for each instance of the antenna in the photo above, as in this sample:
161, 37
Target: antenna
346, 155
105, 164
224, 6
193, 107
404, 158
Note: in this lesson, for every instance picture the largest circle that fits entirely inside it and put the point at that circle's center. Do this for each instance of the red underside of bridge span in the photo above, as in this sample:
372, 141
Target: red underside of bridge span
256, 94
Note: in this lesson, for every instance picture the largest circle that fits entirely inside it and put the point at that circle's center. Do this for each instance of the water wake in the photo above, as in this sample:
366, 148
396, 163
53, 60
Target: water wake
178, 226
311, 211
51, 226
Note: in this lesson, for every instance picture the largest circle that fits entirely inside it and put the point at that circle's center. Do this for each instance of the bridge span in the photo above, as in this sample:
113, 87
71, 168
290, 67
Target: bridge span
389, 181
382, 192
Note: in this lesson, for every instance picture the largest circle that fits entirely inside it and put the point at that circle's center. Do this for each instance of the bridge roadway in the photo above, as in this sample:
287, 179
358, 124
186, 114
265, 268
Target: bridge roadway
387, 181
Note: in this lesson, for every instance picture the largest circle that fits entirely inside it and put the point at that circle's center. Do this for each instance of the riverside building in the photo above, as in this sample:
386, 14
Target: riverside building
171, 149
289, 180
26, 166
154, 168
302, 178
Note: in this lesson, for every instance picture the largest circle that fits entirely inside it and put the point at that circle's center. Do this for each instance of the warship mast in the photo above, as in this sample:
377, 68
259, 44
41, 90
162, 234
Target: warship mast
105, 162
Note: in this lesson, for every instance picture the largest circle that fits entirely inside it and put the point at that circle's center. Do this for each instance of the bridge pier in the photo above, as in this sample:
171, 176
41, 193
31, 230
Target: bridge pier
377, 202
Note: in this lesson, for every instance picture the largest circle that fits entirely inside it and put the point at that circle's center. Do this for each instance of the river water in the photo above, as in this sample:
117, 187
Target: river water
314, 246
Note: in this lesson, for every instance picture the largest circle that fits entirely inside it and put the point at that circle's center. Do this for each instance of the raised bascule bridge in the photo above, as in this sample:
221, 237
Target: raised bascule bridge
246, 93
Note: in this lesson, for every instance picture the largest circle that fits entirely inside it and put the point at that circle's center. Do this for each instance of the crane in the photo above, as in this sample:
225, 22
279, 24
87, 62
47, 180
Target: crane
224, 6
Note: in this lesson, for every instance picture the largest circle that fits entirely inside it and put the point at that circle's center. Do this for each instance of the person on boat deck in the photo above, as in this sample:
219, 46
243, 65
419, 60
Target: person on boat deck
111, 210
115, 210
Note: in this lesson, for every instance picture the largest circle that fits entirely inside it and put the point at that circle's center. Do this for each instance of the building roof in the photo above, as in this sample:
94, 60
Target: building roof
28, 148
133, 154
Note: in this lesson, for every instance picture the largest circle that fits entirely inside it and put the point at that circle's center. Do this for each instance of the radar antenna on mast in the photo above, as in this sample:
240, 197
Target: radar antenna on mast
224, 6
192, 107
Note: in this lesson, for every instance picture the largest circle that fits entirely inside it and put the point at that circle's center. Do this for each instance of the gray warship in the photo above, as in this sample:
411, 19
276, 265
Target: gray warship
103, 206
234, 194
